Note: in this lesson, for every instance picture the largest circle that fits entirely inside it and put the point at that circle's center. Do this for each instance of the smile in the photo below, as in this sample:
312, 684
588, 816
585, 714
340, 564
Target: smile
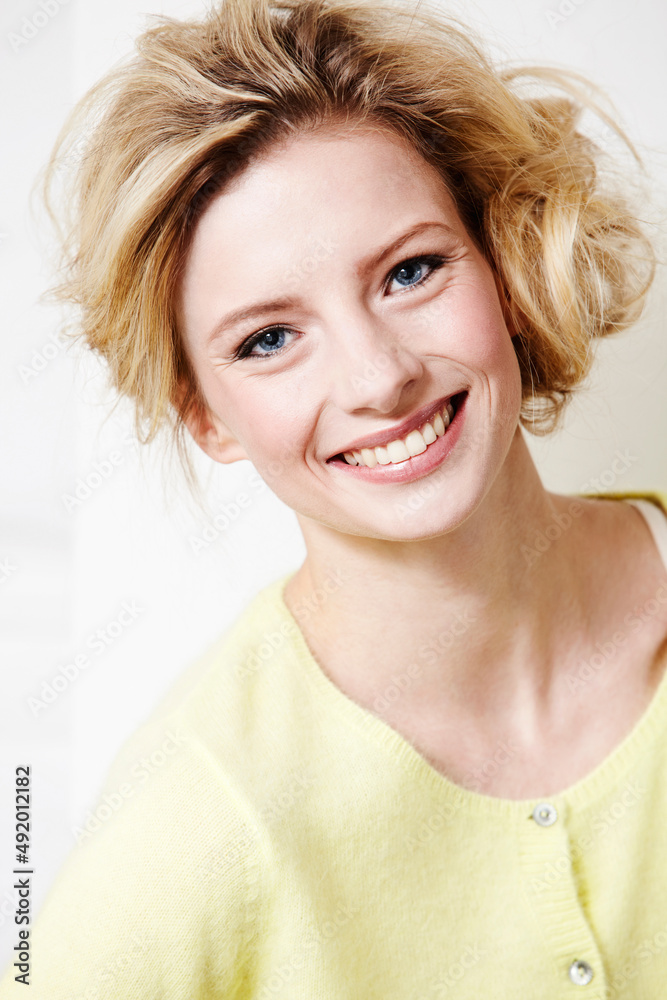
414, 454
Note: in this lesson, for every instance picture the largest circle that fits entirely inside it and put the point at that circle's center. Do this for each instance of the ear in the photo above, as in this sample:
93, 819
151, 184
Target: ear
209, 431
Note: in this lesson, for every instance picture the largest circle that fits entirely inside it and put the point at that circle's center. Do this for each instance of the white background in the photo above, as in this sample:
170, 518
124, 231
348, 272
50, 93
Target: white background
71, 571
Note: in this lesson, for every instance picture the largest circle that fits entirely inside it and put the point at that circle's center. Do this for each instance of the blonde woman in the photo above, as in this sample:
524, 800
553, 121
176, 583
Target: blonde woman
330, 238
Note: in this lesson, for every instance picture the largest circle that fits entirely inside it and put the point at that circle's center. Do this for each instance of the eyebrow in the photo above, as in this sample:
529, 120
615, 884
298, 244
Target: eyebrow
375, 258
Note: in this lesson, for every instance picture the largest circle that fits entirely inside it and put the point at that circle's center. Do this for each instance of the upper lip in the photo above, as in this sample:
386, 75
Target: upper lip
417, 419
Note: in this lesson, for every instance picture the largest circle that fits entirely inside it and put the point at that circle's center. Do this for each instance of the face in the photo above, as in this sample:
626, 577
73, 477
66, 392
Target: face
333, 302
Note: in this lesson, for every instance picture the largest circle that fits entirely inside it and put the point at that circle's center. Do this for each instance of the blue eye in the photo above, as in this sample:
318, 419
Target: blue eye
269, 336
408, 270
410, 273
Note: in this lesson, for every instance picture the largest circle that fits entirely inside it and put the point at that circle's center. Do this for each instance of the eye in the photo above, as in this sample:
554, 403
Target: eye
271, 338
416, 271
410, 273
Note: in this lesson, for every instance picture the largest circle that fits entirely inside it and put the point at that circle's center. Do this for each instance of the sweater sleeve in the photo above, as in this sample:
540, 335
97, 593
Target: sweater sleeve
159, 898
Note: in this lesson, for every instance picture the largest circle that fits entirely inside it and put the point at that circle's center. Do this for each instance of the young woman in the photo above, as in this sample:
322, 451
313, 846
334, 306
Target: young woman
328, 237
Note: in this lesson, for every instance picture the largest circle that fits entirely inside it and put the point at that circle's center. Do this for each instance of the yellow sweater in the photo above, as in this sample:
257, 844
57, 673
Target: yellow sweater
264, 837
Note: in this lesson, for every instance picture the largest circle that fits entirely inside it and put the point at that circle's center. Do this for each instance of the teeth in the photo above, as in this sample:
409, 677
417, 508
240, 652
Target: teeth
413, 443
429, 434
439, 425
398, 451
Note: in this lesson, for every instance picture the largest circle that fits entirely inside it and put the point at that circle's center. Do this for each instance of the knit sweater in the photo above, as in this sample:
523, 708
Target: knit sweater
264, 836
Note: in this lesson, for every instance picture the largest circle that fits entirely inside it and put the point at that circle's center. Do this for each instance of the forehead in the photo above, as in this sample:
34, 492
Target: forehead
304, 216
314, 176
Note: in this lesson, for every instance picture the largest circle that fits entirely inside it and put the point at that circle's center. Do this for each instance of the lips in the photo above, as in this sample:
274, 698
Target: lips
401, 430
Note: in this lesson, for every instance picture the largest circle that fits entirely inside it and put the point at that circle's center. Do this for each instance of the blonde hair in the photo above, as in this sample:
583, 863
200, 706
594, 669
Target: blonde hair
164, 131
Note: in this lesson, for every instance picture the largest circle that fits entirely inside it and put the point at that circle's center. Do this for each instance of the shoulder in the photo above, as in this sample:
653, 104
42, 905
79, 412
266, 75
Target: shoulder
192, 760
634, 527
161, 894
626, 545
620, 549
165, 888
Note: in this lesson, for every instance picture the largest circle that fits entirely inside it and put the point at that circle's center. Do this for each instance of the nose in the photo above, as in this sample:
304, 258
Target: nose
370, 364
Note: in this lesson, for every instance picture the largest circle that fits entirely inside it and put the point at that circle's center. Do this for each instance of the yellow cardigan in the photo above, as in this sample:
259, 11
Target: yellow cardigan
263, 837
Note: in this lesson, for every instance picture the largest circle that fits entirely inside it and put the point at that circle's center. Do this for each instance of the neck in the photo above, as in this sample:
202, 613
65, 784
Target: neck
480, 614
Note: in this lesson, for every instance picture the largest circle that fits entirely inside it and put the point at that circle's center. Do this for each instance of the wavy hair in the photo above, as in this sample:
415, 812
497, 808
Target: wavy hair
164, 131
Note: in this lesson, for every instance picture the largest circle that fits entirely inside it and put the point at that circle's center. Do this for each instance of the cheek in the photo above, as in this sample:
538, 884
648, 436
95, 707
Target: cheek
275, 425
476, 322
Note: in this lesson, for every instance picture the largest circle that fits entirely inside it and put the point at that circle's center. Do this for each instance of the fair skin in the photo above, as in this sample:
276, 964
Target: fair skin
359, 351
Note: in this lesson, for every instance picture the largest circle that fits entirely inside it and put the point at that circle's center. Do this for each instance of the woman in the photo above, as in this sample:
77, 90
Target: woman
330, 238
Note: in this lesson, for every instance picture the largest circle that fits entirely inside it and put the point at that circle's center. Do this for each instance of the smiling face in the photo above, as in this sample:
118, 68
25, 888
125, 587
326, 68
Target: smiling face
333, 302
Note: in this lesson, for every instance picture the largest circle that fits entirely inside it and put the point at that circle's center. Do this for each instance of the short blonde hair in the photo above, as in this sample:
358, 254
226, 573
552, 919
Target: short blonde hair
164, 131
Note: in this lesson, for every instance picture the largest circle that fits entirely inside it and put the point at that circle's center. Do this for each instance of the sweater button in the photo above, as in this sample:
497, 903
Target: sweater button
545, 814
581, 973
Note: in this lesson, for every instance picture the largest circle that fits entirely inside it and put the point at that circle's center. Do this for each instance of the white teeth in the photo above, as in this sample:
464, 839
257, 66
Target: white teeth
429, 434
413, 443
439, 424
398, 451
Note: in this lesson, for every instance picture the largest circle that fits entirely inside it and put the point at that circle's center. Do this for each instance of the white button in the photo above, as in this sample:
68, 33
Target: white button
545, 814
581, 973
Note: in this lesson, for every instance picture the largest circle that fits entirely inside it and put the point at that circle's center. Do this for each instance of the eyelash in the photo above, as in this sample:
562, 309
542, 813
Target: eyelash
434, 261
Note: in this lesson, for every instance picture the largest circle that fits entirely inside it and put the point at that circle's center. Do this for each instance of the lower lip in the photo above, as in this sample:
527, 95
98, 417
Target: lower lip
418, 465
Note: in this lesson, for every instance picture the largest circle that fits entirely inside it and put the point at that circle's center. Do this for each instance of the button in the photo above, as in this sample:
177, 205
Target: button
545, 814
581, 973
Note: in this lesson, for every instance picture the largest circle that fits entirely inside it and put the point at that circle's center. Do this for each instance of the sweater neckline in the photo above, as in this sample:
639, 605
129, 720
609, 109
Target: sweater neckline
602, 779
